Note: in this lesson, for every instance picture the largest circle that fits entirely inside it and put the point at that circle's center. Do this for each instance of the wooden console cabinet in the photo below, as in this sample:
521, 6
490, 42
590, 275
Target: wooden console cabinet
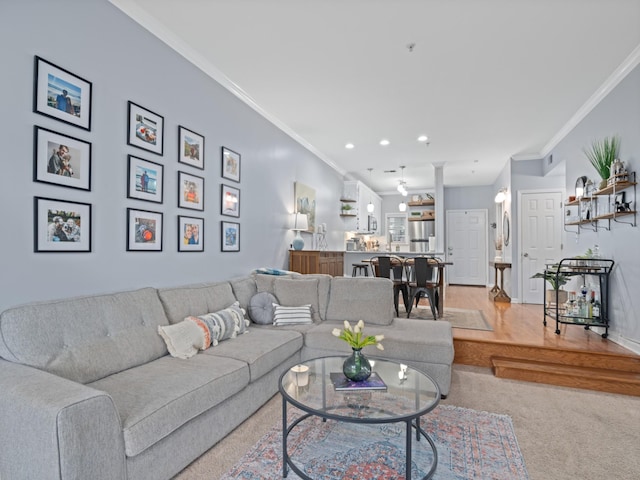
317, 261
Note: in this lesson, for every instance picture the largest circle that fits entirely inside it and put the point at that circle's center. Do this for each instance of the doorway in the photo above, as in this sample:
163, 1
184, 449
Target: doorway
467, 235
540, 239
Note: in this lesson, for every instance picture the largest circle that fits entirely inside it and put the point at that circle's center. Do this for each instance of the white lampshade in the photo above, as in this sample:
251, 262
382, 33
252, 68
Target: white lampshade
370, 207
300, 222
501, 196
402, 207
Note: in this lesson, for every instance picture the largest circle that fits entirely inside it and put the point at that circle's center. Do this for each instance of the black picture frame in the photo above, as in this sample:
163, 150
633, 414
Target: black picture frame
190, 148
61, 226
49, 97
144, 230
190, 191
229, 236
229, 201
145, 180
190, 234
61, 159
231, 163
145, 129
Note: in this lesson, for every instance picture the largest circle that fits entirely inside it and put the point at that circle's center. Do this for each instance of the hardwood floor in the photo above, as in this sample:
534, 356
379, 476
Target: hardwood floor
522, 348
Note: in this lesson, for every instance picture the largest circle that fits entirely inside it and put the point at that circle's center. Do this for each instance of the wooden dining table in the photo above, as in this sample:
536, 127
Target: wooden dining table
397, 261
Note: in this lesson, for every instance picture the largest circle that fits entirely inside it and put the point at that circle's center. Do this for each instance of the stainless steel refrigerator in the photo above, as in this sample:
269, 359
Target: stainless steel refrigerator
419, 233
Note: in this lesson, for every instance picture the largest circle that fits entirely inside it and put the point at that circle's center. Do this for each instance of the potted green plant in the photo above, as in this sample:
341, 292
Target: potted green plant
602, 154
557, 281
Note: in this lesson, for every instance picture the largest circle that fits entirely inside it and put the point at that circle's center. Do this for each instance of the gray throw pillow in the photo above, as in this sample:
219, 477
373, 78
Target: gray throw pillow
261, 308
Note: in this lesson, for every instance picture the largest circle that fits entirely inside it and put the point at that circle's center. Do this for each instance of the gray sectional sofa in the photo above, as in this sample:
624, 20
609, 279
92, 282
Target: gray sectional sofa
89, 391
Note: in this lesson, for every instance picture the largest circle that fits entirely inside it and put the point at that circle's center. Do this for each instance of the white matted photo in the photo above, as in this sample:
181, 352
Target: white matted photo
229, 201
190, 148
61, 95
61, 160
61, 226
145, 129
230, 164
190, 191
144, 230
230, 232
190, 234
146, 180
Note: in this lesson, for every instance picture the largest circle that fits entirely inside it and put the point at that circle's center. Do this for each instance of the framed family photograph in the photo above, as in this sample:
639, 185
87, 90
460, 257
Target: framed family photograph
61, 160
190, 191
61, 226
145, 129
190, 234
146, 180
61, 94
144, 230
229, 201
190, 148
230, 164
230, 241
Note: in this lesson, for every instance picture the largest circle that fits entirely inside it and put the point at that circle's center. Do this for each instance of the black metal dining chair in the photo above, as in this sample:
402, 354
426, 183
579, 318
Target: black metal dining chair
424, 282
393, 268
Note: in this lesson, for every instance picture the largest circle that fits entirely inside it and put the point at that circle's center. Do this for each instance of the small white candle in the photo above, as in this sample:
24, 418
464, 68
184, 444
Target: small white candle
300, 375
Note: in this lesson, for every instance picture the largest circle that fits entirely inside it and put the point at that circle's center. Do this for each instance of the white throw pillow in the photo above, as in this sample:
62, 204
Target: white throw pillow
291, 315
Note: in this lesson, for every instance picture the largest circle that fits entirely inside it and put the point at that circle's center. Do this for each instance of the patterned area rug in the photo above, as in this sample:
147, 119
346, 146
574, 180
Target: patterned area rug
458, 317
470, 444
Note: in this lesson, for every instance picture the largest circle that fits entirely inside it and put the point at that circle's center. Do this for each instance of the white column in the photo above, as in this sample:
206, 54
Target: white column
438, 168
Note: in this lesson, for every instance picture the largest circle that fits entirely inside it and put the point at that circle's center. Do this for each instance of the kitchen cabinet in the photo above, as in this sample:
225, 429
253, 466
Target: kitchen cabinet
317, 261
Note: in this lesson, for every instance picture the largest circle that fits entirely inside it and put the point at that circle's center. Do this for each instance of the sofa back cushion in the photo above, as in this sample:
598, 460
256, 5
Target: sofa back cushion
195, 300
85, 339
361, 298
244, 289
297, 292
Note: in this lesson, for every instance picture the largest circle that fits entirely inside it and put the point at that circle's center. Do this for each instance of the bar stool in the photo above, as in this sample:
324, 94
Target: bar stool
359, 269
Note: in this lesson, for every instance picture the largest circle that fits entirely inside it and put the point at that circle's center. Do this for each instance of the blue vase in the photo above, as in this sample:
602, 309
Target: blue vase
356, 368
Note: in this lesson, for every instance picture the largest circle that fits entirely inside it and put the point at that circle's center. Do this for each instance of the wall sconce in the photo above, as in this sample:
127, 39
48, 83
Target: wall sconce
299, 223
501, 196
402, 206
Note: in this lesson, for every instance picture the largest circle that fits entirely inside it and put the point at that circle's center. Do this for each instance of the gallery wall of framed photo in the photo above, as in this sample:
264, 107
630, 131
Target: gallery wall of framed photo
66, 226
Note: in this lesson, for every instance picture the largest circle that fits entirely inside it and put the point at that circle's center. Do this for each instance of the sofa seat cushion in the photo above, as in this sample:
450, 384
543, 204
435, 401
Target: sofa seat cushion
155, 399
263, 349
406, 340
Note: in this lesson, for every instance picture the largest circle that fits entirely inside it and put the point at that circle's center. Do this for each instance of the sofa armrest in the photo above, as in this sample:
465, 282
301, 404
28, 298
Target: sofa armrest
54, 428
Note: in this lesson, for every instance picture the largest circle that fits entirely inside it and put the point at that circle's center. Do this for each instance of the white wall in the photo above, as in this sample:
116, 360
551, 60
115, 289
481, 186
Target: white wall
618, 113
96, 41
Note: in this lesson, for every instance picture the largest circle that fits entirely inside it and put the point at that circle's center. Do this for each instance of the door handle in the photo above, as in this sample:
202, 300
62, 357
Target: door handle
526, 255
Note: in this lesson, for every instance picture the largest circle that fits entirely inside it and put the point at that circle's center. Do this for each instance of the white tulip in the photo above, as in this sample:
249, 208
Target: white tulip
360, 325
379, 338
379, 346
336, 332
347, 326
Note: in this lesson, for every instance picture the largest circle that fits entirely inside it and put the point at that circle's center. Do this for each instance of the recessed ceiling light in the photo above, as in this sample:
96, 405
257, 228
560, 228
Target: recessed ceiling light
423, 138
384, 142
349, 146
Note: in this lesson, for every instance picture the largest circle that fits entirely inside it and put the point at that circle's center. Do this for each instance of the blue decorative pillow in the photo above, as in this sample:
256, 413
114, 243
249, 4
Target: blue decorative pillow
261, 308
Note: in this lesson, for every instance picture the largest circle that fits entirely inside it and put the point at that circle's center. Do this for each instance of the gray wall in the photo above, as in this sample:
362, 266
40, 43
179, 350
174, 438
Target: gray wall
618, 113
96, 41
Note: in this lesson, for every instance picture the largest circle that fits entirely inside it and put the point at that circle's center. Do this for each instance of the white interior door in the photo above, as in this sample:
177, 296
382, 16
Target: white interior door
467, 247
540, 239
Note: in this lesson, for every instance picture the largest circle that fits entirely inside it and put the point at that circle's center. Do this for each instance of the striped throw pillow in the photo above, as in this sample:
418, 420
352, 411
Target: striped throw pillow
224, 324
291, 315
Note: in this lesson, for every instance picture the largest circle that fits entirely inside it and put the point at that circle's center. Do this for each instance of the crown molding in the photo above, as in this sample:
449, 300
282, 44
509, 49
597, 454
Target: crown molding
150, 24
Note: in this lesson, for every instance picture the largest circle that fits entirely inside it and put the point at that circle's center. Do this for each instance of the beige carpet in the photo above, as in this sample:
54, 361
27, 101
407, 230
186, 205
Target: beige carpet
458, 317
563, 433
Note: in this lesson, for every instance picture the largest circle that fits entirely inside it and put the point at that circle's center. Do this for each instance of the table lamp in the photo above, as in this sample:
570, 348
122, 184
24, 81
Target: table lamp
300, 223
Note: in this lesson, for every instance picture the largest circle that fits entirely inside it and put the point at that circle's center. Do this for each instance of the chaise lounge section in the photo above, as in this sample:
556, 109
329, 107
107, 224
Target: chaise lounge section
89, 390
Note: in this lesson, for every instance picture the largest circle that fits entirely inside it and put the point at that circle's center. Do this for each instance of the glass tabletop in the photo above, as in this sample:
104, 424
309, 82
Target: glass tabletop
409, 393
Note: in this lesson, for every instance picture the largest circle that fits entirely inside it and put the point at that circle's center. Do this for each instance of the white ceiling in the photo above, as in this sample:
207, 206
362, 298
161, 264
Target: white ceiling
487, 80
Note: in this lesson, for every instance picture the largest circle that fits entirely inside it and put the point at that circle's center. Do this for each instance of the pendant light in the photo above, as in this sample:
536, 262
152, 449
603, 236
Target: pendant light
371, 207
401, 188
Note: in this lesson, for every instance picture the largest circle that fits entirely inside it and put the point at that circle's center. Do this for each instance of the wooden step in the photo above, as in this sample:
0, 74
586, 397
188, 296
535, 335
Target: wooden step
604, 380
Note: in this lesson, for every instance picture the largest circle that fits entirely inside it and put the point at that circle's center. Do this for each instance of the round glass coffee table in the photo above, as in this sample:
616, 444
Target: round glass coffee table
409, 394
